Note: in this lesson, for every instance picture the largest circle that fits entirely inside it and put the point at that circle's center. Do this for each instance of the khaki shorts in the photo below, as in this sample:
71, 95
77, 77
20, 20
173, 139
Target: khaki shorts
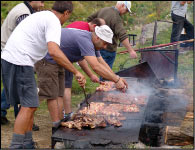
50, 79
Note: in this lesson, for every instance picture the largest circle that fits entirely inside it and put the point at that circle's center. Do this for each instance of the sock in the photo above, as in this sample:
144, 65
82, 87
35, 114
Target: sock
56, 124
28, 137
17, 141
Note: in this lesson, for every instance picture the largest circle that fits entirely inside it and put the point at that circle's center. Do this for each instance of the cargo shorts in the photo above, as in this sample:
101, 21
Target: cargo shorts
50, 79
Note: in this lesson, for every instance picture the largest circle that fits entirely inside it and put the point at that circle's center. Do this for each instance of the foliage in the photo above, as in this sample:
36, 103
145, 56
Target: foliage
143, 12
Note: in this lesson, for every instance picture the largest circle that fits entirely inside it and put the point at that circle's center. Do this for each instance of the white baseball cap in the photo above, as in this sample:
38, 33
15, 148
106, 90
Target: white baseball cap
128, 5
104, 32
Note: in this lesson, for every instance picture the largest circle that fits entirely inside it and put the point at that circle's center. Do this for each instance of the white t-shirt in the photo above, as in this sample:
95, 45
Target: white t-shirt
28, 42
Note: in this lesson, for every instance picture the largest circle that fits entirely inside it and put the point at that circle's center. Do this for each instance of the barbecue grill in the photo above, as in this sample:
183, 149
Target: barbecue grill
105, 137
161, 108
147, 125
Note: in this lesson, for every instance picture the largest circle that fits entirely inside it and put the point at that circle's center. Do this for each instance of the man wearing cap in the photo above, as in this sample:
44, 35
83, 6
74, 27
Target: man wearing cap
112, 16
82, 25
80, 45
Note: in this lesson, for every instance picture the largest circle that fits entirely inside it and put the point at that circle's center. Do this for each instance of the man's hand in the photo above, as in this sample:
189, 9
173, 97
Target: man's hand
133, 54
121, 84
80, 79
94, 78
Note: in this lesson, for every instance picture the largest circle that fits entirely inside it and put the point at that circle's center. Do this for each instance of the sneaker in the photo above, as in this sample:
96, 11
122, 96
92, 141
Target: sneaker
4, 121
54, 129
35, 127
67, 117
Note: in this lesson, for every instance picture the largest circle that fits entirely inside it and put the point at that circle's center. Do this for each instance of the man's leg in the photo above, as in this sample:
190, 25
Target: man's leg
23, 124
67, 95
53, 108
28, 140
61, 107
177, 27
189, 29
109, 58
4, 107
67, 100
16, 111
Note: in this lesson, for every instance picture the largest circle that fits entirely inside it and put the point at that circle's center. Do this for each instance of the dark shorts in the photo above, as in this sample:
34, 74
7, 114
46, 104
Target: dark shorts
68, 79
50, 79
20, 84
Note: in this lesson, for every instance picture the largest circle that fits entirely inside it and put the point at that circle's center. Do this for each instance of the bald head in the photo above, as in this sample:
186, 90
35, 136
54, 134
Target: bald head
96, 22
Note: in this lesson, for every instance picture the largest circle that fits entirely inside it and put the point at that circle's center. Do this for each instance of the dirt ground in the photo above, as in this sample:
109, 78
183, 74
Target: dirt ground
41, 137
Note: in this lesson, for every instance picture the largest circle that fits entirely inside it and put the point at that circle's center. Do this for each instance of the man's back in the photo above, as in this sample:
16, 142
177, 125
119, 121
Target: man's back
77, 44
179, 9
9, 23
28, 42
114, 21
82, 25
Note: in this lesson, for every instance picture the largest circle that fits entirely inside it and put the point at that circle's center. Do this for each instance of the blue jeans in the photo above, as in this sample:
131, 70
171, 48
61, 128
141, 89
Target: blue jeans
109, 58
5, 105
177, 28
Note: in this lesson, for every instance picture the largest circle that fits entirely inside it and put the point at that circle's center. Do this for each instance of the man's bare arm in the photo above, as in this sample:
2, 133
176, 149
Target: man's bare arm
106, 73
84, 65
131, 51
100, 69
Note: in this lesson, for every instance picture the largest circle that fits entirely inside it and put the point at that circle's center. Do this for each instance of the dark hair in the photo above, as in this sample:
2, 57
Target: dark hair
62, 6
97, 21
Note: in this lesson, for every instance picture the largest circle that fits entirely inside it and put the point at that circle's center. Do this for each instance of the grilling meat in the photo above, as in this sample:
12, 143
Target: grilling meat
113, 121
125, 99
88, 121
106, 86
99, 108
85, 121
100, 115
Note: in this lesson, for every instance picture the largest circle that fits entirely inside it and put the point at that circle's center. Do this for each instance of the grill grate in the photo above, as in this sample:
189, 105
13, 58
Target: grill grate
128, 133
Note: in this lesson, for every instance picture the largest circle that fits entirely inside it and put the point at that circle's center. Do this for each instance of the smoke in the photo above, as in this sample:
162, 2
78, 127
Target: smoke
139, 89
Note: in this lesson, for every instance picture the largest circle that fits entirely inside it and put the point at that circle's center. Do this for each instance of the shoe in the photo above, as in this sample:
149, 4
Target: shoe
35, 127
4, 121
15, 146
30, 145
54, 129
67, 117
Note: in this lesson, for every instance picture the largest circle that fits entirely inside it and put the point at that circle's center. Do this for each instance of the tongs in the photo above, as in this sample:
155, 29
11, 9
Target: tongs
86, 98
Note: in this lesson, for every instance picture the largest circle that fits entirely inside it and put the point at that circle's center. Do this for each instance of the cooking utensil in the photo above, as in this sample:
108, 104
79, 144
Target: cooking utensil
86, 98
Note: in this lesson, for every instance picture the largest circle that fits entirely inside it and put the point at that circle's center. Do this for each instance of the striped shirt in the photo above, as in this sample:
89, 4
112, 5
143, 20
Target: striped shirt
22, 17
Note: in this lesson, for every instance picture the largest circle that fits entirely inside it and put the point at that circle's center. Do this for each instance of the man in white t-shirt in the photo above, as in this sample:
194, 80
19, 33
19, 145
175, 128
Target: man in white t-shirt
30, 41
